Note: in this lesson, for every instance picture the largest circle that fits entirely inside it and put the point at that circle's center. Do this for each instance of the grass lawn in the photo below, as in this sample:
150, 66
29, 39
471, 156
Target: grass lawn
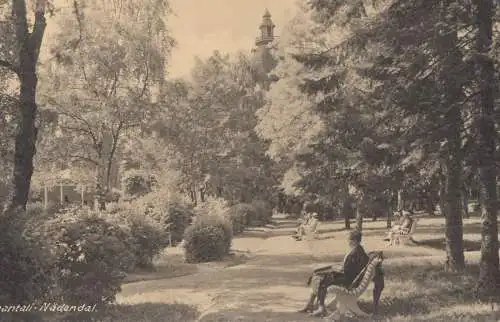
270, 285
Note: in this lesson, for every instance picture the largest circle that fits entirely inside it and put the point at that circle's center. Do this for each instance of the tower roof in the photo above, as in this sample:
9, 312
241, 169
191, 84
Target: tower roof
266, 20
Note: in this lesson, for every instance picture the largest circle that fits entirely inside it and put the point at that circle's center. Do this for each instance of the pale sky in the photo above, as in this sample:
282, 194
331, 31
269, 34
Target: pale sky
202, 26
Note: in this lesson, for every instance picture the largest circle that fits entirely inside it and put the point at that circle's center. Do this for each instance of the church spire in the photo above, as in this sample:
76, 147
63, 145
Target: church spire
266, 30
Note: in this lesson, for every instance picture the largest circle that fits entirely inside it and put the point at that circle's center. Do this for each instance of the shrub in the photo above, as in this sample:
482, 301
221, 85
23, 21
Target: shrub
150, 238
241, 215
208, 239
93, 255
52, 207
174, 215
27, 263
137, 183
113, 196
115, 208
264, 213
216, 208
213, 206
178, 216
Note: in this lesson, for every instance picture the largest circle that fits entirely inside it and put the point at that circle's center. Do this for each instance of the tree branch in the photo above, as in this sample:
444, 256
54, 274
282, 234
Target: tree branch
83, 158
146, 80
115, 138
36, 36
88, 129
19, 14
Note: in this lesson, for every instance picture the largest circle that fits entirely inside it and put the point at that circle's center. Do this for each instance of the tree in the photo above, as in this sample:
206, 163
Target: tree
320, 94
208, 123
427, 78
489, 275
21, 57
108, 61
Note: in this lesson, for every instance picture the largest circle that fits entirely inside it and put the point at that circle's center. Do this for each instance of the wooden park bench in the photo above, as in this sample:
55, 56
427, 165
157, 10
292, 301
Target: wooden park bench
406, 235
347, 298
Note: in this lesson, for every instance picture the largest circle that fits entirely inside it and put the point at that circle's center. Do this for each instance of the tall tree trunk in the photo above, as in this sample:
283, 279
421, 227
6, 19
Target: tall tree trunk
194, 195
114, 137
100, 190
105, 152
389, 217
25, 142
453, 216
202, 194
400, 205
389, 210
465, 201
359, 214
346, 206
489, 279
447, 47
442, 192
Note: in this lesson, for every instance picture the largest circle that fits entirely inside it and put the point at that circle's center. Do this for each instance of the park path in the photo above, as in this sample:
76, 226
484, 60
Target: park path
268, 286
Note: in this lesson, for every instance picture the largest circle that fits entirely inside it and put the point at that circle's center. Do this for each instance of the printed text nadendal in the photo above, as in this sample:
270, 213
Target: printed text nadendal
48, 307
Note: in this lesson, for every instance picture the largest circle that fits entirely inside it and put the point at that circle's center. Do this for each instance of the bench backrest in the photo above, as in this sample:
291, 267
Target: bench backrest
413, 226
366, 275
313, 224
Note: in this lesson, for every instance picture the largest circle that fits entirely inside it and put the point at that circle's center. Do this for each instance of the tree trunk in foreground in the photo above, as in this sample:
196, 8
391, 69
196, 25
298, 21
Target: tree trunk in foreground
25, 141
447, 48
489, 278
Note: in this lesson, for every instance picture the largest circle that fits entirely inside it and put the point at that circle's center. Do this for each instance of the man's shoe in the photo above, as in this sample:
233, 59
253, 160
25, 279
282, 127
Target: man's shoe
321, 311
307, 309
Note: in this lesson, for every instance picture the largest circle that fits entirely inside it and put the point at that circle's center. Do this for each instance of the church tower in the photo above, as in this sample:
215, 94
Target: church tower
266, 30
262, 51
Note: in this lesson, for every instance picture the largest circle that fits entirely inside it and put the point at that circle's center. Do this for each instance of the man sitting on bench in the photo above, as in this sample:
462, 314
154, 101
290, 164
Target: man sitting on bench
403, 226
354, 262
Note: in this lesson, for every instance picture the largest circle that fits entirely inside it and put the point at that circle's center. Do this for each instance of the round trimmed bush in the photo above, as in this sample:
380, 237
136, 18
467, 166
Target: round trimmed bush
209, 238
150, 238
241, 215
264, 212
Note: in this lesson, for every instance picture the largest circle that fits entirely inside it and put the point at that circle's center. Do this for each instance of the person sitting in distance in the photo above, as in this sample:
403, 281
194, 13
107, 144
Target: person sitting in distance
303, 221
307, 227
404, 225
301, 230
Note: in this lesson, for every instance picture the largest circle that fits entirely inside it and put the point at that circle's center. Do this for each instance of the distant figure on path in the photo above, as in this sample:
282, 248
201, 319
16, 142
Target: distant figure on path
354, 263
304, 222
309, 226
301, 230
403, 225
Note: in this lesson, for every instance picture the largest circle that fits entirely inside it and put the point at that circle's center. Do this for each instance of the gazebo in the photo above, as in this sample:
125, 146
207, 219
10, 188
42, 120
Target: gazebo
64, 186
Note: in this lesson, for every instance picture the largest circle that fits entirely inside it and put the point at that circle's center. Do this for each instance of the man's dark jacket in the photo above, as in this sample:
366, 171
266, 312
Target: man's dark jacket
354, 264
